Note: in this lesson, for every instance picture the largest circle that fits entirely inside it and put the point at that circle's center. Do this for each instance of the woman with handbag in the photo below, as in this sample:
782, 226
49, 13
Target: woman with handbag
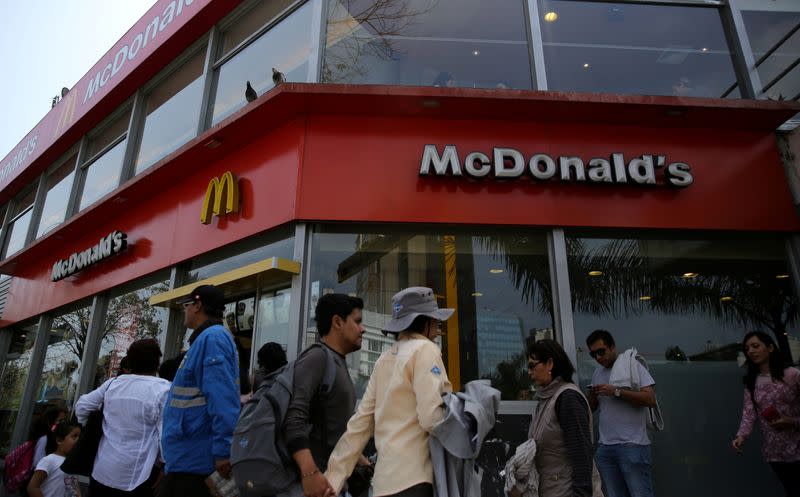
561, 426
132, 407
772, 395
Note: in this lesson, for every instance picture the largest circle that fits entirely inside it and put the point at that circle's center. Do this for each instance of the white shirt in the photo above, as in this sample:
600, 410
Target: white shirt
57, 484
132, 414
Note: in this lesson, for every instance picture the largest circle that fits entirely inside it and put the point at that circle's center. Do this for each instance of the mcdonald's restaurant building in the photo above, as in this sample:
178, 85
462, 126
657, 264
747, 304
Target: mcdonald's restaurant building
544, 177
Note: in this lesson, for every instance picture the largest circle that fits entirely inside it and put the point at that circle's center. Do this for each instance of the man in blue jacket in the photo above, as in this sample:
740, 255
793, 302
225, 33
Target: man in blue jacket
203, 403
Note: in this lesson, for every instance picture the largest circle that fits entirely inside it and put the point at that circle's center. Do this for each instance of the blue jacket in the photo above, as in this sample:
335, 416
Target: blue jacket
203, 404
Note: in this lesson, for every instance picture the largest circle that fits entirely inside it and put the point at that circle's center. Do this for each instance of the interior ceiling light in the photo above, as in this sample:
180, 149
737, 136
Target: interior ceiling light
781, 276
477, 294
495, 271
689, 275
595, 273
586, 66
476, 52
645, 298
726, 298
704, 49
551, 16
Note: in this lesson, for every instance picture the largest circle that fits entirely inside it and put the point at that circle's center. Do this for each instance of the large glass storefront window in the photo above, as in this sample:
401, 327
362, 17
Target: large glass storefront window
59, 186
129, 317
66, 342
469, 43
619, 48
13, 375
771, 27
498, 281
285, 47
686, 304
277, 243
105, 151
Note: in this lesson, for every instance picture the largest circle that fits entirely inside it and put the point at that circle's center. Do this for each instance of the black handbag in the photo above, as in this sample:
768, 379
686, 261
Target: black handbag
80, 460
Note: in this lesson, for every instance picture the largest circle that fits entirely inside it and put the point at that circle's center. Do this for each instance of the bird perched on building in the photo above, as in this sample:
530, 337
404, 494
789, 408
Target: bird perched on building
277, 77
249, 93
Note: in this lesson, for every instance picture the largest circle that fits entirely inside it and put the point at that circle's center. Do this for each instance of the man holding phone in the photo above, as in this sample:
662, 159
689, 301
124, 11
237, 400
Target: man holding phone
623, 452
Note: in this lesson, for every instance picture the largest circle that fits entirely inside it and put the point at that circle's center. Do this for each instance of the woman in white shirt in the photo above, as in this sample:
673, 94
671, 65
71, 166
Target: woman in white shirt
133, 405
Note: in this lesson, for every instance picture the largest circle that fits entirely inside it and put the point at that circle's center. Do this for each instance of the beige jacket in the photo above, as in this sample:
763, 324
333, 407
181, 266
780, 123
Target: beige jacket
402, 403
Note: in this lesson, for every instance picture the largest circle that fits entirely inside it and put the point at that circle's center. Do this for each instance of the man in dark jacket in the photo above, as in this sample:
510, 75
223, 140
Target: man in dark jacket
314, 422
203, 403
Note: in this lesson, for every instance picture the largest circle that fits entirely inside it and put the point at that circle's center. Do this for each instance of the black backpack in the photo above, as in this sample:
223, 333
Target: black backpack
261, 463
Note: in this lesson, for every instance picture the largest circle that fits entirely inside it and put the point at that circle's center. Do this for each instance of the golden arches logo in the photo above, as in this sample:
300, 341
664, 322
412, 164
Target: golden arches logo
67, 105
221, 192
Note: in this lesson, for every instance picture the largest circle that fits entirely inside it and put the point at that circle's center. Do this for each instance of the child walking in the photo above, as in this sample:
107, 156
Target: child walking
48, 480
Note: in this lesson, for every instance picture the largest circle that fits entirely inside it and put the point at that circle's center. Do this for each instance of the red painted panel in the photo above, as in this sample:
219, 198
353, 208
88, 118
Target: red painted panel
164, 228
367, 169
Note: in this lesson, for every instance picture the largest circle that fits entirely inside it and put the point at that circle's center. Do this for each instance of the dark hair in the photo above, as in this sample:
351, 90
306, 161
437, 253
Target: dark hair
334, 304
419, 323
776, 365
546, 349
124, 366
603, 335
60, 432
43, 424
271, 357
169, 368
144, 356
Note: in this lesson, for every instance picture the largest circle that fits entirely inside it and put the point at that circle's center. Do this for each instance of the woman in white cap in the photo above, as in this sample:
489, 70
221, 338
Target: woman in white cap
403, 401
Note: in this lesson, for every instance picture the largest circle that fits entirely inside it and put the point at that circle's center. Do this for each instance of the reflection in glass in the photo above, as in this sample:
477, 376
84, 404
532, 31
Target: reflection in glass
59, 186
107, 135
129, 317
66, 342
253, 20
173, 110
13, 375
470, 43
497, 281
618, 48
285, 47
765, 30
278, 243
103, 175
18, 231
273, 318
685, 305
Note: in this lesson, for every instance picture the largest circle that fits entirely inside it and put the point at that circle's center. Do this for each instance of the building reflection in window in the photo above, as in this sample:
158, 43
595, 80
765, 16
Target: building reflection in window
13, 375
498, 282
686, 304
59, 186
469, 43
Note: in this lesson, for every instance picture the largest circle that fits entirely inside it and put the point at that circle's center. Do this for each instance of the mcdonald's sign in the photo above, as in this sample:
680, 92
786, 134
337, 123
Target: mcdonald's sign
222, 193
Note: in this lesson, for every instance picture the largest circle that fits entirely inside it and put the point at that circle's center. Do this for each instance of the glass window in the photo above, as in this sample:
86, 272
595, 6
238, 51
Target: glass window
498, 281
18, 227
250, 22
765, 30
273, 318
66, 342
173, 111
107, 135
686, 304
469, 43
129, 317
59, 187
103, 175
13, 375
284, 47
277, 243
617, 48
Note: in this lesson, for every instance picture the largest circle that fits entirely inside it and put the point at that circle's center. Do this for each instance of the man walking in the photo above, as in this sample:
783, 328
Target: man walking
623, 452
315, 420
203, 403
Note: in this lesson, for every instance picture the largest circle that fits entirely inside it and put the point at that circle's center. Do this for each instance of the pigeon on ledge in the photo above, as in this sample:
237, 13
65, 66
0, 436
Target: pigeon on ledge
277, 77
249, 93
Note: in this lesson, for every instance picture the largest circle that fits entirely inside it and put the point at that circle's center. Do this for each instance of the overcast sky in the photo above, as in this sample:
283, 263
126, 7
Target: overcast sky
48, 44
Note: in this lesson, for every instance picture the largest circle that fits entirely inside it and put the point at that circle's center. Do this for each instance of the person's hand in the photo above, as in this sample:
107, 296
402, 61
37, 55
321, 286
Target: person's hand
223, 467
783, 424
363, 461
607, 390
316, 485
737, 444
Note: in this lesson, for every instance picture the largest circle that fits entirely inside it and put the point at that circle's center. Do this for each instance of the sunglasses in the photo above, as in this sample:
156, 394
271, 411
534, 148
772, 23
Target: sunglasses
598, 352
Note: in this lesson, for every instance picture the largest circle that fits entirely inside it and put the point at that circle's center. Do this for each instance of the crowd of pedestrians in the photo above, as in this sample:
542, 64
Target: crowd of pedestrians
167, 427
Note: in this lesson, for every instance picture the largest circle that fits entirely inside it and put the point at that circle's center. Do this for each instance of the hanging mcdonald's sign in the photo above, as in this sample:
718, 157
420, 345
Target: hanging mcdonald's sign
222, 197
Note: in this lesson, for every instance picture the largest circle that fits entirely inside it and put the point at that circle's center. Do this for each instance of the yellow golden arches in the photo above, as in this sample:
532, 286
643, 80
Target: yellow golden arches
220, 191
67, 113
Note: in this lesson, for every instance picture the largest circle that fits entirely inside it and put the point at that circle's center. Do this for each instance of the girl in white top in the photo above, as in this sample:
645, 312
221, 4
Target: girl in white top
48, 480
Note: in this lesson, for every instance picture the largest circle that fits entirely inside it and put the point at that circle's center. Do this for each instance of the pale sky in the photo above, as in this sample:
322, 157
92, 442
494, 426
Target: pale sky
48, 44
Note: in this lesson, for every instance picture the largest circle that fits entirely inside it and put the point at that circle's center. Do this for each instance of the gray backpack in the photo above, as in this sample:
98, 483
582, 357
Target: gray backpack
260, 461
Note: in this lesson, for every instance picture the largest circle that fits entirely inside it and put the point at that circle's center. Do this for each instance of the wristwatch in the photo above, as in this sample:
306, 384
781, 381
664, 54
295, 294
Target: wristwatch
617, 392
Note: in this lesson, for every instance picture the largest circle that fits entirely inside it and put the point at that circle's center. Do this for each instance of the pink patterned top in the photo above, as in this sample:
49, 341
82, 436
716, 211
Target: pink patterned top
778, 446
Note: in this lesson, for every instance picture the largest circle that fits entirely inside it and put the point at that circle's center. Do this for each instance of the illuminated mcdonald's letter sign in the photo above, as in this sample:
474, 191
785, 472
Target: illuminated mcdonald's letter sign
222, 193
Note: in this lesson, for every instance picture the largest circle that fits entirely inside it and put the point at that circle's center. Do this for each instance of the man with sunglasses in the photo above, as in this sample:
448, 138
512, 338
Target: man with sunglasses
623, 451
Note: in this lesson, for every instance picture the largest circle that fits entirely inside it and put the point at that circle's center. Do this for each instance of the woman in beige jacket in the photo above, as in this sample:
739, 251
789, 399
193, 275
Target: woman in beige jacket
403, 401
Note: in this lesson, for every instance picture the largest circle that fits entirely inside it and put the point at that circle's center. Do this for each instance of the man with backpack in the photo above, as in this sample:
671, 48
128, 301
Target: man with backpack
315, 420
203, 403
623, 452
